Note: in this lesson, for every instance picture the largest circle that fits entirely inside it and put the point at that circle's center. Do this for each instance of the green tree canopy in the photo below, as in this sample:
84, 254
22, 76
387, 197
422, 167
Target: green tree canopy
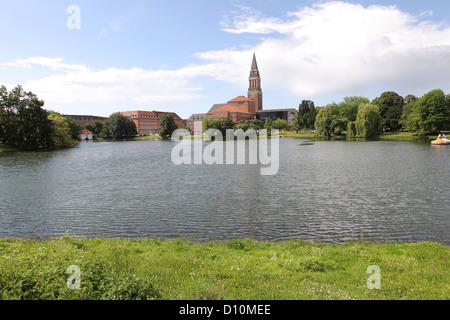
324, 124
74, 128
429, 114
281, 124
391, 107
348, 109
368, 121
243, 124
24, 124
257, 125
220, 124
96, 127
306, 116
119, 126
168, 125
62, 134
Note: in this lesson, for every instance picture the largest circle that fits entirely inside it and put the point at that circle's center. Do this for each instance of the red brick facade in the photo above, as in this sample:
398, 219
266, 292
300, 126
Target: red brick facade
84, 120
243, 108
254, 91
240, 108
147, 122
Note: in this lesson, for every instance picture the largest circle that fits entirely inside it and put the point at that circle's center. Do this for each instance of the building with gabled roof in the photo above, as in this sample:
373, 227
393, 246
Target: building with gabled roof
240, 108
86, 135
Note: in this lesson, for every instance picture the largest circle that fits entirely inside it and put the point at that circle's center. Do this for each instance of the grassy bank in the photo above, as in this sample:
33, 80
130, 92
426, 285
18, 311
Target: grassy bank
404, 136
140, 138
384, 136
236, 270
301, 135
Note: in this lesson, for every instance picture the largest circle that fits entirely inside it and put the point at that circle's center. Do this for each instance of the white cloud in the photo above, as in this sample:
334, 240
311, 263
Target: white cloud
109, 90
324, 49
134, 86
54, 64
342, 47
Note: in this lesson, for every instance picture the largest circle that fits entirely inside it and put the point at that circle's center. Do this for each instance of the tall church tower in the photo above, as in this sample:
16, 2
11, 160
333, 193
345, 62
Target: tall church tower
254, 91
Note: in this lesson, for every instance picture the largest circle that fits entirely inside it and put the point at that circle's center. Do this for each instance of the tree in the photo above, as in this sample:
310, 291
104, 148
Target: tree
306, 115
220, 124
281, 124
96, 127
211, 123
74, 128
227, 124
348, 109
268, 125
324, 122
257, 125
62, 135
391, 108
243, 124
351, 129
168, 126
430, 114
410, 98
408, 120
119, 126
368, 121
24, 124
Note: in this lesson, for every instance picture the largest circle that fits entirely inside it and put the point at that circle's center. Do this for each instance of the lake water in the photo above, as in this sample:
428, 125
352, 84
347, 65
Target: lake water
327, 191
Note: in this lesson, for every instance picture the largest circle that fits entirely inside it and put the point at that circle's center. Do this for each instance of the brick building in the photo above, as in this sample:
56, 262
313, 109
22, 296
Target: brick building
246, 108
84, 120
255, 91
147, 122
240, 108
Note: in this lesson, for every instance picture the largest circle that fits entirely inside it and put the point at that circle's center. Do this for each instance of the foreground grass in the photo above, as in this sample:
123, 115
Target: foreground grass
234, 270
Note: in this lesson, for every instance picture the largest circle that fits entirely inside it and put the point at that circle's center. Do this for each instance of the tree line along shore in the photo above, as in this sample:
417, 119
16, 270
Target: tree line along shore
26, 125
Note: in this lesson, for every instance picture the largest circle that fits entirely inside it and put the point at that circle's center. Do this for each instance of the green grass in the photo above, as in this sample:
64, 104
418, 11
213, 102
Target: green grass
404, 136
234, 270
408, 136
302, 135
140, 138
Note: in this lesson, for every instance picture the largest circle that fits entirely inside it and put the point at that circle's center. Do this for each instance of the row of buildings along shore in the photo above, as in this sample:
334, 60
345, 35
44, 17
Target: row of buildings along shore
248, 107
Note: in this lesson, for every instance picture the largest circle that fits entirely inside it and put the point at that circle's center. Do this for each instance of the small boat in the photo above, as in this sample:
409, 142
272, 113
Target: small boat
441, 140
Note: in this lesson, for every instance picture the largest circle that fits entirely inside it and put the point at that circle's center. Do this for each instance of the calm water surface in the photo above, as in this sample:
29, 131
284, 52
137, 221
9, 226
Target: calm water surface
328, 191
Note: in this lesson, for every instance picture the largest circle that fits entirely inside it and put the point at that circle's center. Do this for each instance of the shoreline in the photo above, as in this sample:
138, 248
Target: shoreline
405, 136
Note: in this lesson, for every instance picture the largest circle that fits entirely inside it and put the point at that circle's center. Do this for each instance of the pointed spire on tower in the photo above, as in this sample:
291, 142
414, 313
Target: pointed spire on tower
254, 68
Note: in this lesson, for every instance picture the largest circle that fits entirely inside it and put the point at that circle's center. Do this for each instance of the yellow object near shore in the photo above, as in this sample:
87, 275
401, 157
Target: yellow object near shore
441, 140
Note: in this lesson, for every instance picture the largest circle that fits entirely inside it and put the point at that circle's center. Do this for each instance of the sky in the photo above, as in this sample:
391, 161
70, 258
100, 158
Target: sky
98, 57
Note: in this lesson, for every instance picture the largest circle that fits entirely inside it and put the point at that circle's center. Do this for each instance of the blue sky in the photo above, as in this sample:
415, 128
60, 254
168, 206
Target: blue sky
184, 56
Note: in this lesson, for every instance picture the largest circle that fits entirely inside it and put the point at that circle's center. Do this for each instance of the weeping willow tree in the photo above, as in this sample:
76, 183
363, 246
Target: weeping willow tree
368, 121
351, 129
